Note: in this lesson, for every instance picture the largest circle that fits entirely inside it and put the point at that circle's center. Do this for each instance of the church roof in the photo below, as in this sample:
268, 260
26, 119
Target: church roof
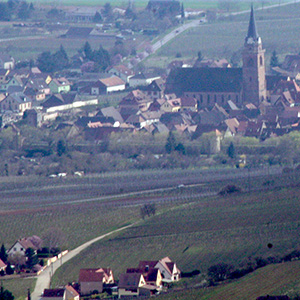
217, 80
252, 31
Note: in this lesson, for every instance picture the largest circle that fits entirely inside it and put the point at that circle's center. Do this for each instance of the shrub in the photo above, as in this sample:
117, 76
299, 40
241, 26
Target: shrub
229, 189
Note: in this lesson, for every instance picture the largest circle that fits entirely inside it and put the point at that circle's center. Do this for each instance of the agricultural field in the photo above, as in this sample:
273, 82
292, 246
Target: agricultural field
277, 279
201, 232
192, 4
276, 26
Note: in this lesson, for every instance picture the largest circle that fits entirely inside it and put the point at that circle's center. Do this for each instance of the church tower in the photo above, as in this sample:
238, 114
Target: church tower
254, 77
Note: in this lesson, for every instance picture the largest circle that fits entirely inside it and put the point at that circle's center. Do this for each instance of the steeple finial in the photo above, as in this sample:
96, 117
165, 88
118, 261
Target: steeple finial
252, 35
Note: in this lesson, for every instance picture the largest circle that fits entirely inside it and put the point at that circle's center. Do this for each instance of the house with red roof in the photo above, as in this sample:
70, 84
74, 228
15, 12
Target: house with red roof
168, 269
21, 245
91, 280
66, 293
121, 71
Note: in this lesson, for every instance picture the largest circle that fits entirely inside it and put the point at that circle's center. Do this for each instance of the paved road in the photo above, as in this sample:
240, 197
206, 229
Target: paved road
43, 280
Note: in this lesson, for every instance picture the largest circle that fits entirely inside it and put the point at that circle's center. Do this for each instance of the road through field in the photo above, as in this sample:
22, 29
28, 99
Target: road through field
44, 279
180, 29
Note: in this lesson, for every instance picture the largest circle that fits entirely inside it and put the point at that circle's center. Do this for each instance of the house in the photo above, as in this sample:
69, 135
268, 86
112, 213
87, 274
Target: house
141, 79
2, 266
6, 62
66, 293
168, 269
121, 71
155, 90
111, 84
21, 245
152, 276
130, 285
16, 102
81, 14
91, 280
60, 85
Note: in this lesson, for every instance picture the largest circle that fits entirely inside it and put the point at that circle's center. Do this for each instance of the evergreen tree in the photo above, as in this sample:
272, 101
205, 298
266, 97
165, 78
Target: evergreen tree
61, 148
231, 150
199, 56
182, 11
3, 254
32, 258
5, 294
171, 143
87, 50
97, 17
274, 59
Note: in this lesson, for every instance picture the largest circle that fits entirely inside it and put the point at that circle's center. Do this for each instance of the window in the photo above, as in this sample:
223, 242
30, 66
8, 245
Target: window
261, 61
237, 98
215, 98
223, 99
208, 99
250, 79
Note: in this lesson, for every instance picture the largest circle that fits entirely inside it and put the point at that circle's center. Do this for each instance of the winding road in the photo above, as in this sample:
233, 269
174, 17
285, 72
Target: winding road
44, 279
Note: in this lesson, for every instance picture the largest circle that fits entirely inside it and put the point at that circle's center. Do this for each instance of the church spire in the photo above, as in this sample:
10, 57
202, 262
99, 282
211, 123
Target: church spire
252, 36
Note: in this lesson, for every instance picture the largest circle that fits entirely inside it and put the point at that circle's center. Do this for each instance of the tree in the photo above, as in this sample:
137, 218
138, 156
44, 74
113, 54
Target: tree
219, 272
9, 270
274, 59
97, 17
87, 50
60, 59
231, 150
61, 148
5, 294
45, 62
182, 11
54, 238
32, 258
107, 11
199, 56
3, 254
171, 143
24, 11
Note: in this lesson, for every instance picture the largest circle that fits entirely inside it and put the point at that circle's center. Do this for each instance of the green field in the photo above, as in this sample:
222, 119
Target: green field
278, 279
276, 26
201, 233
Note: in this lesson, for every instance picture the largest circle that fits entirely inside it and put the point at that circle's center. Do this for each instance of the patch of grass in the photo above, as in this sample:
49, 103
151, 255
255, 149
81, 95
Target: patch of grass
19, 286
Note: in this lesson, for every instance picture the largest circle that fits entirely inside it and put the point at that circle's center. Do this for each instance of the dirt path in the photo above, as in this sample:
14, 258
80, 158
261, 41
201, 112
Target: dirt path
44, 279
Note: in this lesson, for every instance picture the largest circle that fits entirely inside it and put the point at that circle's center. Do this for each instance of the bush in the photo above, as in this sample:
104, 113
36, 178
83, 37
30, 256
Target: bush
190, 274
229, 189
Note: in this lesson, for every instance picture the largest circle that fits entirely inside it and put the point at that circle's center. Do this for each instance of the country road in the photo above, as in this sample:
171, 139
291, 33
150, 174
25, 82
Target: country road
44, 279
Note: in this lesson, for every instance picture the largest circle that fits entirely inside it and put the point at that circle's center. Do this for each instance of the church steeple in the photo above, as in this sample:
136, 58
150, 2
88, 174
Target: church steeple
254, 79
252, 35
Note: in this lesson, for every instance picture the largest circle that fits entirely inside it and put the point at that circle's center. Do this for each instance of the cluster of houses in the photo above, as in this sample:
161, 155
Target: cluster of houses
145, 280
208, 96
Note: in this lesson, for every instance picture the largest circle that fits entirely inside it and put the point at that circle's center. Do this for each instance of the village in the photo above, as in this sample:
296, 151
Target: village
148, 278
95, 112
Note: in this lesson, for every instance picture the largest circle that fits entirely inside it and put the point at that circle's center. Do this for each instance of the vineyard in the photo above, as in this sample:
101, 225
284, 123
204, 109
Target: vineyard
192, 225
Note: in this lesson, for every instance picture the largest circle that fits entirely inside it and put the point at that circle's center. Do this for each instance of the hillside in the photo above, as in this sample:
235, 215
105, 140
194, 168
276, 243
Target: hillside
278, 279
201, 233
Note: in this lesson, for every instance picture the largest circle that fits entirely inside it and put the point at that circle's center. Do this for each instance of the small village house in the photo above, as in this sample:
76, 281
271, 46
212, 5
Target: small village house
66, 293
91, 280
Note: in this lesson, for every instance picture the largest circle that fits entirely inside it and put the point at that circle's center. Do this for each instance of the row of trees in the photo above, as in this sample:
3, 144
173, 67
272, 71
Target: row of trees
52, 62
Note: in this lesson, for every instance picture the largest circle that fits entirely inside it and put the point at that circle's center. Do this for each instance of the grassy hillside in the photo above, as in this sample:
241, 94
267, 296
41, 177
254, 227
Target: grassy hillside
202, 233
278, 279
276, 26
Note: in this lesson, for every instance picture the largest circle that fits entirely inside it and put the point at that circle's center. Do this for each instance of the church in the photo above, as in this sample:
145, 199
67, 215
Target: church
210, 86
